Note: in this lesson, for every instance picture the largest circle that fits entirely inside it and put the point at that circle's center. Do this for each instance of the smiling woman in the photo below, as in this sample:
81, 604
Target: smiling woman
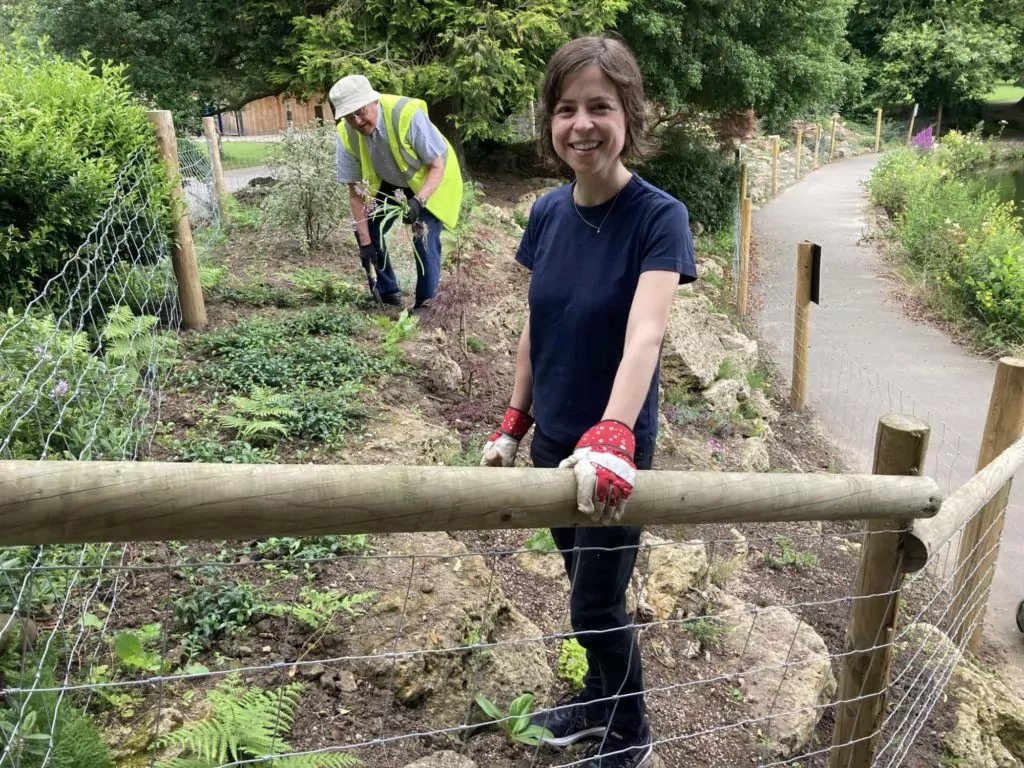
607, 253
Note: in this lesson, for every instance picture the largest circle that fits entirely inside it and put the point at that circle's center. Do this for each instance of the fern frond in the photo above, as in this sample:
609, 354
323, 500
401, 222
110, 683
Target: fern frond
335, 760
248, 429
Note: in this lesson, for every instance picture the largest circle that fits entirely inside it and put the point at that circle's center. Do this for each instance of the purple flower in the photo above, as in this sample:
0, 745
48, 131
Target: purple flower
399, 195
714, 445
925, 140
59, 390
40, 352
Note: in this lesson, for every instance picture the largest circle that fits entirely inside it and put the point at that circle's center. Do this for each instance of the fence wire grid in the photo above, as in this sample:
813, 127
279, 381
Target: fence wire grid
376, 650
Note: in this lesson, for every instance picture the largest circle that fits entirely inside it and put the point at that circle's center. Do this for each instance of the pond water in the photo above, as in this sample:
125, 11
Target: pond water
1009, 182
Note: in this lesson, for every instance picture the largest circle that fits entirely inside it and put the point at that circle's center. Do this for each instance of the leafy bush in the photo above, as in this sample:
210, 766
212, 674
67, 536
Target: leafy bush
693, 171
966, 244
307, 199
212, 607
68, 129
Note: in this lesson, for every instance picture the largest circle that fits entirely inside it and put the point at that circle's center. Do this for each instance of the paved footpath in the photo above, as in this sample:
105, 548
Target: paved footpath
867, 358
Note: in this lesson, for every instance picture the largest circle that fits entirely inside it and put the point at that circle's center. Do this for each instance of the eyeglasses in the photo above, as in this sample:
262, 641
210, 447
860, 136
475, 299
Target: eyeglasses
362, 113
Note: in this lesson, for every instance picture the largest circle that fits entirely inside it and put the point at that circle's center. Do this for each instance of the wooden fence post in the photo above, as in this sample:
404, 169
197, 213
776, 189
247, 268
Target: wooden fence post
219, 185
775, 165
878, 129
832, 139
910, 130
900, 447
938, 124
183, 253
743, 282
979, 544
743, 182
799, 150
817, 144
801, 325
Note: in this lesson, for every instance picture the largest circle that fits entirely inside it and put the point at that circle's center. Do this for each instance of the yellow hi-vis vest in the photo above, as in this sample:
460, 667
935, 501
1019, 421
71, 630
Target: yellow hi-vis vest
447, 198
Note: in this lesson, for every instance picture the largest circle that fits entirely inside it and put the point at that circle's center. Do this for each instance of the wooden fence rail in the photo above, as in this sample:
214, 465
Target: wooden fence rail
53, 502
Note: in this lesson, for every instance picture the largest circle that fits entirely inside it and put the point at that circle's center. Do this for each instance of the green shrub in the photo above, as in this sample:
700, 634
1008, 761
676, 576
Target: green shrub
965, 244
68, 130
693, 171
307, 199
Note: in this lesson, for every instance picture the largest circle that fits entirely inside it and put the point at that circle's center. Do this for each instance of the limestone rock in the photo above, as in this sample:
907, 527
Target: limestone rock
443, 373
693, 350
405, 438
486, 211
761, 407
741, 350
15, 628
707, 267
740, 546
688, 452
725, 395
547, 565
444, 759
671, 570
786, 669
463, 606
754, 455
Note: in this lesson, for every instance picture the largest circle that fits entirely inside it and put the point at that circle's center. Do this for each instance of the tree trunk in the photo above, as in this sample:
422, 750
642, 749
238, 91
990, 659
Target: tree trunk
442, 114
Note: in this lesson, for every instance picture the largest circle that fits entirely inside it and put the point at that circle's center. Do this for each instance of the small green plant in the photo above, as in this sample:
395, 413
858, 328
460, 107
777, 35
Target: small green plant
721, 569
317, 609
134, 649
757, 379
541, 541
737, 695
212, 607
520, 217
728, 369
706, 630
261, 294
789, 556
210, 276
397, 331
572, 663
517, 724
259, 417
243, 725
323, 285
473, 344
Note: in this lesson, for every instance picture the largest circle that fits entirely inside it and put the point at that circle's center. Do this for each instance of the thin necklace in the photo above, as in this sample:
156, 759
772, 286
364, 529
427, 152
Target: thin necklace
598, 227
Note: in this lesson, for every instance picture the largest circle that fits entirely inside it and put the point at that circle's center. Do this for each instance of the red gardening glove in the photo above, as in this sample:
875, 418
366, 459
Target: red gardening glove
605, 471
500, 450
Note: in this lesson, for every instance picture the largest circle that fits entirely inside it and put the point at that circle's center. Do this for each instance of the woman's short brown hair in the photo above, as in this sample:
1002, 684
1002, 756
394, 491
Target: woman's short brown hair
619, 65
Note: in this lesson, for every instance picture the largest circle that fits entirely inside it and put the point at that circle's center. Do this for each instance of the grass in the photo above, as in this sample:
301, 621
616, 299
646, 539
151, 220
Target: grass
1005, 93
242, 154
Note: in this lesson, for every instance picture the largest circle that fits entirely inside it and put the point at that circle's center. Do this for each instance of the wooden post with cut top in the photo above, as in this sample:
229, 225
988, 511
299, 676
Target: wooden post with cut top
979, 543
832, 138
743, 281
801, 325
799, 151
220, 187
183, 252
817, 145
901, 444
878, 129
775, 164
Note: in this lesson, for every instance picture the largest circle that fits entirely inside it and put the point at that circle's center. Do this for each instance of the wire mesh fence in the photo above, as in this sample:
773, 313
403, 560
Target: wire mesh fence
351, 649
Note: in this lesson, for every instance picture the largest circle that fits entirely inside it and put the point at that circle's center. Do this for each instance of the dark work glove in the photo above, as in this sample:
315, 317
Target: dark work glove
371, 254
412, 214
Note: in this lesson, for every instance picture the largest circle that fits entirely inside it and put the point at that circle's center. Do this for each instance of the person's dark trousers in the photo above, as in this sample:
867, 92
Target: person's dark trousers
599, 562
427, 245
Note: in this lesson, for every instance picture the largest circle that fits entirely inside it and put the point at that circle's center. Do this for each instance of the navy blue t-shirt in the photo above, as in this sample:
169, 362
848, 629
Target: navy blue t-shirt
580, 296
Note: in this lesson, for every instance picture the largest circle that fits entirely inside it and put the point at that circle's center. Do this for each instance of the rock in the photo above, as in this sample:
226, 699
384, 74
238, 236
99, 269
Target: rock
725, 395
707, 267
989, 730
786, 669
671, 571
691, 452
494, 213
444, 374
741, 350
547, 565
761, 407
465, 607
312, 671
754, 455
15, 628
740, 547
339, 680
445, 759
696, 228
693, 350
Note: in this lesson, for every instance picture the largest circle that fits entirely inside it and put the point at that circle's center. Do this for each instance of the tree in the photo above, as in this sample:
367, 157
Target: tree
473, 62
935, 52
181, 56
778, 57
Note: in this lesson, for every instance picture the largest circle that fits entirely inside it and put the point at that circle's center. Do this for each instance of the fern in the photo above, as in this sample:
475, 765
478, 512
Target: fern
129, 342
245, 724
259, 416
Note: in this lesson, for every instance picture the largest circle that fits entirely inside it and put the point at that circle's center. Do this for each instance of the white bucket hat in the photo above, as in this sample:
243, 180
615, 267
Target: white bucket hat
351, 93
